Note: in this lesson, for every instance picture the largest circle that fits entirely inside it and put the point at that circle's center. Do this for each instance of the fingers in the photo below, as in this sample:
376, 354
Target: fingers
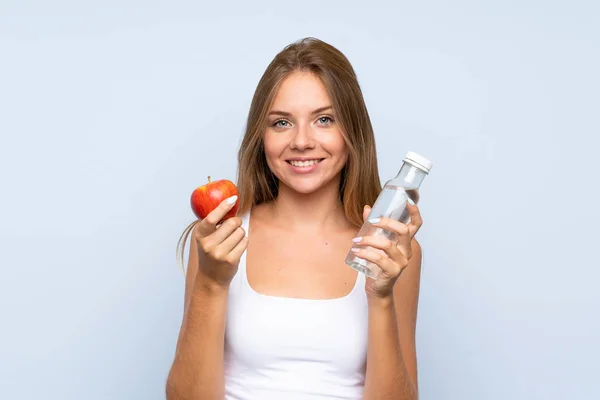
222, 252
416, 221
401, 233
392, 250
396, 228
209, 224
388, 266
218, 236
381, 243
235, 254
225, 244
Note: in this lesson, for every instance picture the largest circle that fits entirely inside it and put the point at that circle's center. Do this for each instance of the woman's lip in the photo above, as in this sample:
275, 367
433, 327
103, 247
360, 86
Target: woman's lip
304, 170
304, 159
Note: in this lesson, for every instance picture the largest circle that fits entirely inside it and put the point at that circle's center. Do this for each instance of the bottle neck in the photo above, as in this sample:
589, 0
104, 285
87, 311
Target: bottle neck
409, 176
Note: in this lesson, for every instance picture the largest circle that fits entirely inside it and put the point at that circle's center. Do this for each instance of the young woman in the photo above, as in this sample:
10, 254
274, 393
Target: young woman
271, 309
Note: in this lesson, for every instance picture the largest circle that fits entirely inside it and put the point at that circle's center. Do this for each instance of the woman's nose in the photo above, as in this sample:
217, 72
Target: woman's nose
303, 137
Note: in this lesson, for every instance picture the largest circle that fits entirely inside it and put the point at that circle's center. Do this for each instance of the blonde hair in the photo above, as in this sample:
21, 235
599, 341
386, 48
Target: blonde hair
360, 183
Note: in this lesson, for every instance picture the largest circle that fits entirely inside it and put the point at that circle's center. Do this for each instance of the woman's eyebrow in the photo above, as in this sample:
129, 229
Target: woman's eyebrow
287, 114
320, 110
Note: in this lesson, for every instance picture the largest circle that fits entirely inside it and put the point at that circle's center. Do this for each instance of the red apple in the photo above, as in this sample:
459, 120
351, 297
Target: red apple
207, 197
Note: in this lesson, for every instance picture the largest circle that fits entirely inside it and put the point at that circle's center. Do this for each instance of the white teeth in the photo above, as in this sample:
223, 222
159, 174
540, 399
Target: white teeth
304, 163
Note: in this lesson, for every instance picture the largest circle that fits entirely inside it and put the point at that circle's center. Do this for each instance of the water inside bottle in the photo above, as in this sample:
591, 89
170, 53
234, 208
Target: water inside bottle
391, 203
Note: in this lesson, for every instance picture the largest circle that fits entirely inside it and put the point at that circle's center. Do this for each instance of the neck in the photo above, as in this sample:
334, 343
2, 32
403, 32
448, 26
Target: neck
311, 212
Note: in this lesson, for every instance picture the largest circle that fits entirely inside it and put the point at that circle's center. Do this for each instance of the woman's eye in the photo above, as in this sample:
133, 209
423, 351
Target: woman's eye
325, 120
281, 123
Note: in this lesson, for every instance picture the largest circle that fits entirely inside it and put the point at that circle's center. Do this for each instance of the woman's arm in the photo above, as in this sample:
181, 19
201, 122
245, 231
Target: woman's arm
197, 371
391, 356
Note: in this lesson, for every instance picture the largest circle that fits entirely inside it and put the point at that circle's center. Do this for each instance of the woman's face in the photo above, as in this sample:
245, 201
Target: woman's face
304, 146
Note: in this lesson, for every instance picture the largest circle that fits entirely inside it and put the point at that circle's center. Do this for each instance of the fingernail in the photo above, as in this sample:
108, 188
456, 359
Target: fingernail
354, 250
357, 239
374, 220
232, 200
411, 202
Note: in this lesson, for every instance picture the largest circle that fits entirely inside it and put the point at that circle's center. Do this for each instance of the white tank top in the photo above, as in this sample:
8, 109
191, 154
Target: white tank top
279, 348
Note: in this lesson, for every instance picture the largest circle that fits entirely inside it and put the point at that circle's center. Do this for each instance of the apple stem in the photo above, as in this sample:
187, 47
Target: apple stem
209, 179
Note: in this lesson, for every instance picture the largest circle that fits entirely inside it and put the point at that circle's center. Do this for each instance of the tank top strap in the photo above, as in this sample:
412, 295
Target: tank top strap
242, 265
245, 219
245, 227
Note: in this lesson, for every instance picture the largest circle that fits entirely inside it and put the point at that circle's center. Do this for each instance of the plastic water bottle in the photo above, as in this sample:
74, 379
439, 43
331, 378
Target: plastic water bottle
391, 203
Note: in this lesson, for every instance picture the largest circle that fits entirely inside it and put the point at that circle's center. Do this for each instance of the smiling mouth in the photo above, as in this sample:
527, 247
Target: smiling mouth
307, 163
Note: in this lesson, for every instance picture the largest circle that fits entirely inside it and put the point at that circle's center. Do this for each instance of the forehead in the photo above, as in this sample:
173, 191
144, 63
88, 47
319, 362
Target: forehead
301, 92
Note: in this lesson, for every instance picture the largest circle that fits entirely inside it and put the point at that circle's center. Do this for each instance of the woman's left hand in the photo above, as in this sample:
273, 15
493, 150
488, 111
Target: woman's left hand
391, 256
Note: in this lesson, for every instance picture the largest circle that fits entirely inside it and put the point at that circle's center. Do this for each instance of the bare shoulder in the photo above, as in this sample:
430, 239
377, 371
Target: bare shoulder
260, 215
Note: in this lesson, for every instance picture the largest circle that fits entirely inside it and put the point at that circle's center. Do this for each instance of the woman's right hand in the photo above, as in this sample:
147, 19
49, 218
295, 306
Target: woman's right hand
219, 247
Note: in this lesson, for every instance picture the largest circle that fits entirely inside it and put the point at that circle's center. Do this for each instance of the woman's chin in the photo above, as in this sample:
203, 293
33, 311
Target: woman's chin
302, 187
306, 187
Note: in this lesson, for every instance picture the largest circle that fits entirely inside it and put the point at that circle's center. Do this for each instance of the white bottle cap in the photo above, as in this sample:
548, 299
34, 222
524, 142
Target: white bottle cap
419, 161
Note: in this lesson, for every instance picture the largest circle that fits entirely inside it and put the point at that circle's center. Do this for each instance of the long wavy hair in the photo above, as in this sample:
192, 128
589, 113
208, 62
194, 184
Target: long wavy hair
360, 183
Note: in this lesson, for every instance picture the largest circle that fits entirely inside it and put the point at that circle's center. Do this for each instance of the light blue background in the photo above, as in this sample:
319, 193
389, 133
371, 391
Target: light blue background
112, 112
